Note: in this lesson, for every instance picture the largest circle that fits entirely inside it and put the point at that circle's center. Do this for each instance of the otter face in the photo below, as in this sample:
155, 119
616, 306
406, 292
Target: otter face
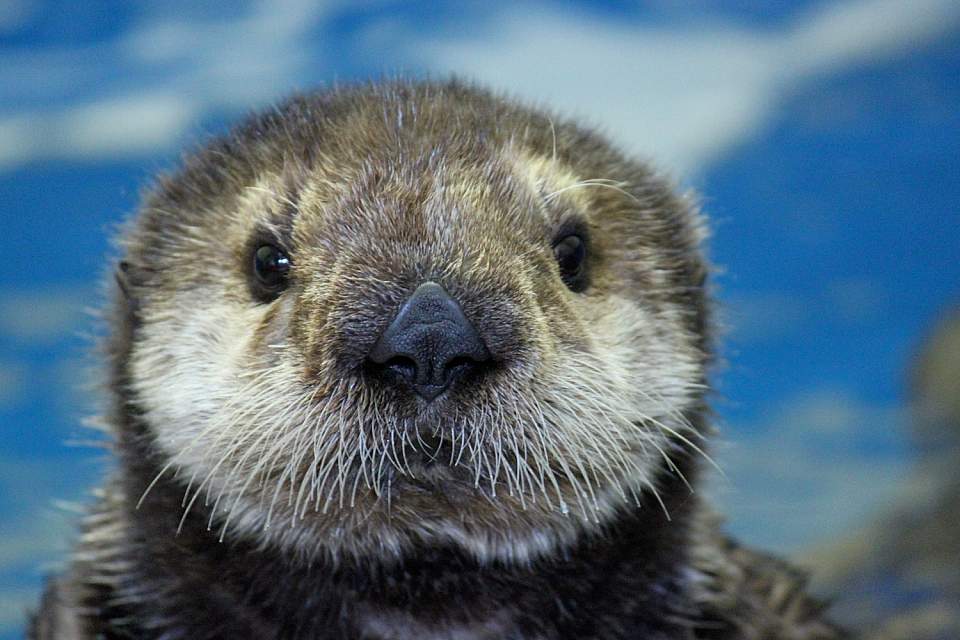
415, 314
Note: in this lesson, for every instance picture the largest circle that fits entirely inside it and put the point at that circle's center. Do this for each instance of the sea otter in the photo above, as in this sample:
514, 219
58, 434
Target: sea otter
413, 360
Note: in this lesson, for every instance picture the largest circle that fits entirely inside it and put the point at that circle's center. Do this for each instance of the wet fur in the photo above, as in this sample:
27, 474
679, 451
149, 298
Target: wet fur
268, 486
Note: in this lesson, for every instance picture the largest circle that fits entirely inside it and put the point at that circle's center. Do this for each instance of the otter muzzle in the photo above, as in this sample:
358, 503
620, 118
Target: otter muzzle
430, 344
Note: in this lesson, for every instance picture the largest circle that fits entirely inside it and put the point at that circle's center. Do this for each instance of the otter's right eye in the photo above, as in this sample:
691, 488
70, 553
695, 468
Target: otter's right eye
271, 266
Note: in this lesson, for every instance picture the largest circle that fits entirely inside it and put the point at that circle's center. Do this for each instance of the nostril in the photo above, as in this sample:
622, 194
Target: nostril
402, 367
459, 366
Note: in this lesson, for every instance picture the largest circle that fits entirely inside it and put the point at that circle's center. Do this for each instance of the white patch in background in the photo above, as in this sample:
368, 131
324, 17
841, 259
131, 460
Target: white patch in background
857, 299
46, 315
16, 140
811, 470
842, 34
763, 317
112, 127
772, 316
678, 93
127, 124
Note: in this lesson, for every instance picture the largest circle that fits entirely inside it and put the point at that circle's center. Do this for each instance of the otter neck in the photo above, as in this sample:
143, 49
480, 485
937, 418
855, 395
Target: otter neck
633, 571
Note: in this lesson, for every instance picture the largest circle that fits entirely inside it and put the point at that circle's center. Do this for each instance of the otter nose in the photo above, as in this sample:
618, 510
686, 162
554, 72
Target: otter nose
429, 344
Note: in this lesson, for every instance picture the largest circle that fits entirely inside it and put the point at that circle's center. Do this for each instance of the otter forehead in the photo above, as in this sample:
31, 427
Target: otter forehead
416, 313
423, 206
425, 168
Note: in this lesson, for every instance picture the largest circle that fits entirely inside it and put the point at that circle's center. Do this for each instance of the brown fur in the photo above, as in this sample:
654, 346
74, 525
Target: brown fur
555, 487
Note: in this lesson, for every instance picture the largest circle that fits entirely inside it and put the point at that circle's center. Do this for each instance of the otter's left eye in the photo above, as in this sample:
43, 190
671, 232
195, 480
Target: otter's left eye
571, 253
271, 267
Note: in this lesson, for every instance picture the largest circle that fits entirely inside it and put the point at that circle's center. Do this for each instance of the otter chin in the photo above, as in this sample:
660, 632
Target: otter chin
413, 360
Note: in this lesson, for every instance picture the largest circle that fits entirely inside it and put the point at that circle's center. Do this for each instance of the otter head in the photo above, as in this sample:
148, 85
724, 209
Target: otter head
414, 314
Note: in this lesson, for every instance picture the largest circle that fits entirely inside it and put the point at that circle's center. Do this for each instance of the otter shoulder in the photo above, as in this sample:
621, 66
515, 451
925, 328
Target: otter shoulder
753, 595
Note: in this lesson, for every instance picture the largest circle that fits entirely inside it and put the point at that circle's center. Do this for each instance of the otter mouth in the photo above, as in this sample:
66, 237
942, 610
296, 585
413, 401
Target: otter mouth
433, 450
434, 464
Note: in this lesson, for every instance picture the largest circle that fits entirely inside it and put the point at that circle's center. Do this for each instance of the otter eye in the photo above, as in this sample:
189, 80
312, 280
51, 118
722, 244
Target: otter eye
271, 267
571, 253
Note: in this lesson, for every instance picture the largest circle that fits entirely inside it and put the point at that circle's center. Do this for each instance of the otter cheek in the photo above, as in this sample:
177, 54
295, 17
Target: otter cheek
183, 381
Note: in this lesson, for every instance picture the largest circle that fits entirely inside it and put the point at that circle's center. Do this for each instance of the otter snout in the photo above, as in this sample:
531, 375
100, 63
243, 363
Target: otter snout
429, 345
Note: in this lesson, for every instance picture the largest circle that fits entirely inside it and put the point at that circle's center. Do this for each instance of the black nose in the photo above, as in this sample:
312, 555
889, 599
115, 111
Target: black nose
429, 344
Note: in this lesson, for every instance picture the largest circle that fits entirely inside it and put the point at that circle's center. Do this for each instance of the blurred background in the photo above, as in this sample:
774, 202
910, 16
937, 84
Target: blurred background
823, 137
